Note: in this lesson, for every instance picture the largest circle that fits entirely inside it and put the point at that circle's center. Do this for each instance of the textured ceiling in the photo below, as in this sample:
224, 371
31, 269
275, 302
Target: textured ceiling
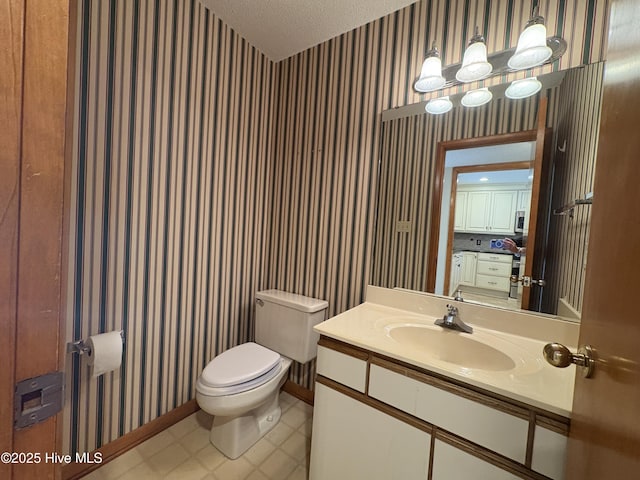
281, 28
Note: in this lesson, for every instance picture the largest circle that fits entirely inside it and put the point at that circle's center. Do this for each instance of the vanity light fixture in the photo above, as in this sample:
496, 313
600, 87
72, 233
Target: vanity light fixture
475, 98
532, 46
431, 74
523, 88
474, 61
437, 106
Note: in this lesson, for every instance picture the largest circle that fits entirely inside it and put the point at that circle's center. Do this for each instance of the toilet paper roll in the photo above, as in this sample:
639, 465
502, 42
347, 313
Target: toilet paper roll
106, 352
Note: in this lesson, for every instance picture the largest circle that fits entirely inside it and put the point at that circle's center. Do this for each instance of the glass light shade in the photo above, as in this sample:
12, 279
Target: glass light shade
430, 76
475, 98
474, 63
437, 106
523, 88
532, 48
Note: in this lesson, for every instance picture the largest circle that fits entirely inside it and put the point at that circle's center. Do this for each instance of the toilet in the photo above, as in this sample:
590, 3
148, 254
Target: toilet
241, 386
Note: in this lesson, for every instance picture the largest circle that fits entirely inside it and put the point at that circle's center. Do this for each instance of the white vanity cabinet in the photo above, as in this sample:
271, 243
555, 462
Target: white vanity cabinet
409, 423
450, 462
352, 440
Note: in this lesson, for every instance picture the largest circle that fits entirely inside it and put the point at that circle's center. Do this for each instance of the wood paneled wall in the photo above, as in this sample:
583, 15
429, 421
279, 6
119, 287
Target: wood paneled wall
169, 201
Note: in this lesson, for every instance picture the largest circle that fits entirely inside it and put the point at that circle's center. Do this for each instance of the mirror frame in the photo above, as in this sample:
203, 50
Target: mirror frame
540, 136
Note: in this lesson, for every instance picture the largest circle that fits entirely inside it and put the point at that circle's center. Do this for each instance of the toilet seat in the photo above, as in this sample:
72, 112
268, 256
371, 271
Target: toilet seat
239, 369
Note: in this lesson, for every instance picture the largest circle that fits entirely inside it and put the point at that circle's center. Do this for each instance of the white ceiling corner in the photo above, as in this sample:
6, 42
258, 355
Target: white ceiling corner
282, 28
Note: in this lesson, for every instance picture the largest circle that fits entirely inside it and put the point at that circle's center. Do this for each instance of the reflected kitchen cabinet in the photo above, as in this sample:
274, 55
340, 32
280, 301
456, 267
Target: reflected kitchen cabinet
456, 272
460, 219
486, 211
468, 273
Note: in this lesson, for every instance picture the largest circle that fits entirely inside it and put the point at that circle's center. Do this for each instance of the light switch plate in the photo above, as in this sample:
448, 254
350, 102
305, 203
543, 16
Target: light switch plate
403, 226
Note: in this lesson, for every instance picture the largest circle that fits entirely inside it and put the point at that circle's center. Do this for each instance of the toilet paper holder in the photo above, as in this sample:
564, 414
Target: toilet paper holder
81, 346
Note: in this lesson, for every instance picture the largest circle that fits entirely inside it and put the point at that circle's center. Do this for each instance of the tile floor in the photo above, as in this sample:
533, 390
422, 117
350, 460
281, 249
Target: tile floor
183, 452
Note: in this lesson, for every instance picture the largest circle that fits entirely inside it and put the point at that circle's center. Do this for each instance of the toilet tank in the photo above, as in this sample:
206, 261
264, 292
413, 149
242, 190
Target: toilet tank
285, 321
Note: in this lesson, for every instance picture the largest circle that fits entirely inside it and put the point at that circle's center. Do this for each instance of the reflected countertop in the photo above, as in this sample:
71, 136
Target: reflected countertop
483, 250
533, 381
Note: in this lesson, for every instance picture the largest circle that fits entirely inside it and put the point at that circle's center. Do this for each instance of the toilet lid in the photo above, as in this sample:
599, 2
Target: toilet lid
239, 365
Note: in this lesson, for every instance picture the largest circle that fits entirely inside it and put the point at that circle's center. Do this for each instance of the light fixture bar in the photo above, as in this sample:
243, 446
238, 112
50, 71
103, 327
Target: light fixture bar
499, 61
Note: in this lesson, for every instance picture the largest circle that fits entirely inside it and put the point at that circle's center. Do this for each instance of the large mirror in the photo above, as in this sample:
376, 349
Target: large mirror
492, 203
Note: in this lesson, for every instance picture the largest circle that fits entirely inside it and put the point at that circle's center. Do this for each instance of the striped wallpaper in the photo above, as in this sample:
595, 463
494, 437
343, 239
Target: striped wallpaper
328, 130
576, 143
408, 154
407, 168
169, 194
204, 172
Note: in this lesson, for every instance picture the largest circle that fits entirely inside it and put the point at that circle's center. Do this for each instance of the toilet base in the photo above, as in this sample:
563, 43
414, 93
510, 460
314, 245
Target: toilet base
235, 435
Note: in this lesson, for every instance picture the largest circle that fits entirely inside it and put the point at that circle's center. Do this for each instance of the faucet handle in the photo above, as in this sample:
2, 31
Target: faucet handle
452, 309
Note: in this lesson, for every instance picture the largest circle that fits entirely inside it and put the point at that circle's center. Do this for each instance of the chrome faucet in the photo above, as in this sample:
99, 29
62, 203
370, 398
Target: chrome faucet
452, 321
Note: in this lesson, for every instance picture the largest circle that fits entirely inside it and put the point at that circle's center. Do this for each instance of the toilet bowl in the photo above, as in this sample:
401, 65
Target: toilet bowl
244, 400
241, 386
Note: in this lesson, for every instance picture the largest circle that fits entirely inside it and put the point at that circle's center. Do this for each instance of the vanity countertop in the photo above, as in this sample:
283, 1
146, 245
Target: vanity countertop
533, 381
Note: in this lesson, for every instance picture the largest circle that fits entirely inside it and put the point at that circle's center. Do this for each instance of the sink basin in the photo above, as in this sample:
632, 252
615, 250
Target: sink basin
452, 347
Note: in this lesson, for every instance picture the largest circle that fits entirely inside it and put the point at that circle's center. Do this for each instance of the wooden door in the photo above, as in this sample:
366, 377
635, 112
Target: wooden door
34, 45
605, 426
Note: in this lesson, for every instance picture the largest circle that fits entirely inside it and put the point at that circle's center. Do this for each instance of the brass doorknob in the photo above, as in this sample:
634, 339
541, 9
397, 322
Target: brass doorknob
560, 356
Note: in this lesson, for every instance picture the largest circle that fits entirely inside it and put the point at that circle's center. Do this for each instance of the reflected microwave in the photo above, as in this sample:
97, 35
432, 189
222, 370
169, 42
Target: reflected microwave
519, 224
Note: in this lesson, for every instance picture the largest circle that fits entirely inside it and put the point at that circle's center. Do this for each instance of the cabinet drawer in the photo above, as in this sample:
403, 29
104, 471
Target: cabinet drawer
342, 368
493, 268
496, 257
493, 283
491, 428
450, 462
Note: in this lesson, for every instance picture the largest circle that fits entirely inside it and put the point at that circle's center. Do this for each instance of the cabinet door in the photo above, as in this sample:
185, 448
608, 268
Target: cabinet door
460, 223
524, 204
450, 463
468, 274
478, 209
503, 212
354, 441
456, 270
524, 200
